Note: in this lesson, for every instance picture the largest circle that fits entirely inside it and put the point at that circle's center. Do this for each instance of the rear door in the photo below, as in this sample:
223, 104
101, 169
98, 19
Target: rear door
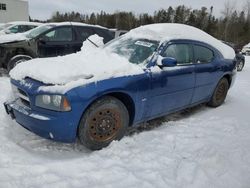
207, 71
57, 41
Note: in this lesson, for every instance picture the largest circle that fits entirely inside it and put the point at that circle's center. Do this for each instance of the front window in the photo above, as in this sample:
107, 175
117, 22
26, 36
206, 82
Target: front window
38, 30
181, 52
59, 34
137, 51
13, 29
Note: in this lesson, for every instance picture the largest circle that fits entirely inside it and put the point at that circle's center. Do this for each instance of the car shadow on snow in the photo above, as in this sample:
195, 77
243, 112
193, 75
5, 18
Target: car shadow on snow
52, 150
158, 122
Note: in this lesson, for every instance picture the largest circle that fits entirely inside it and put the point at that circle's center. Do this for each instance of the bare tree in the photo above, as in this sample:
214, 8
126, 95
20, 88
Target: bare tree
246, 8
229, 8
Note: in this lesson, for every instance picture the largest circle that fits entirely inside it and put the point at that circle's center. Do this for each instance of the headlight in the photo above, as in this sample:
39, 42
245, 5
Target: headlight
53, 102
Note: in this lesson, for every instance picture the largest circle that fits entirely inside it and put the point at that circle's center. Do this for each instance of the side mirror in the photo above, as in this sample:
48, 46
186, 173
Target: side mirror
41, 41
168, 62
8, 32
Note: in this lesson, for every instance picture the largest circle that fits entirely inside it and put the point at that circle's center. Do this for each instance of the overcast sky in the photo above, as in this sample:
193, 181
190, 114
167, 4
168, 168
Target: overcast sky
43, 9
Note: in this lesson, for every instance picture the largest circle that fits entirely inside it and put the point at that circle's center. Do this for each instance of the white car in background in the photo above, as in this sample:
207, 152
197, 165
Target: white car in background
246, 49
17, 27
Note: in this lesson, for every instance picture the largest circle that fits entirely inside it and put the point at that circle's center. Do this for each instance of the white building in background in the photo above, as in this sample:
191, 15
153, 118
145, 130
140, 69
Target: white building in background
14, 10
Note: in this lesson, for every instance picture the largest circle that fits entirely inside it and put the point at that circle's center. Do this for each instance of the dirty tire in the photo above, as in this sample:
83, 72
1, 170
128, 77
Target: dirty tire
220, 93
16, 60
240, 66
105, 120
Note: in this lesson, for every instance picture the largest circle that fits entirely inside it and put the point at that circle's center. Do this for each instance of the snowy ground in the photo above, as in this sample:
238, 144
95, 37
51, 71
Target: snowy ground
205, 147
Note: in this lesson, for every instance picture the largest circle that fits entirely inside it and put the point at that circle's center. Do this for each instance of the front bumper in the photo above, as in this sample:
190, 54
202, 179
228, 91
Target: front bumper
57, 128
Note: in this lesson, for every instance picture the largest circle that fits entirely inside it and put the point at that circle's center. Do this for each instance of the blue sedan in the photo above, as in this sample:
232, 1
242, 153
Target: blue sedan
177, 73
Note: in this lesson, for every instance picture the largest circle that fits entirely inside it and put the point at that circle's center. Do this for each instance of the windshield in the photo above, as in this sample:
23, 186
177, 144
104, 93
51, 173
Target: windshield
135, 50
4, 26
37, 31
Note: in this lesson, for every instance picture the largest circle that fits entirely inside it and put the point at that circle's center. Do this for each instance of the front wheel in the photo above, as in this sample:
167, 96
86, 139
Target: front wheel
105, 120
220, 93
16, 60
240, 66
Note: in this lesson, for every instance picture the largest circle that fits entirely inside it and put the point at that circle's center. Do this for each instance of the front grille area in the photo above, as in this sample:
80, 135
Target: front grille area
22, 96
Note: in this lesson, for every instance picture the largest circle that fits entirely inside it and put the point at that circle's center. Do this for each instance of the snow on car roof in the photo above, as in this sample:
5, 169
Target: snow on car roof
247, 45
24, 23
171, 31
75, 24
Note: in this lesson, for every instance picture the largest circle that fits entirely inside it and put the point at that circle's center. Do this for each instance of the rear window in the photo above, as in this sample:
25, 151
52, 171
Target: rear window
106, 34
84, 32
203, 54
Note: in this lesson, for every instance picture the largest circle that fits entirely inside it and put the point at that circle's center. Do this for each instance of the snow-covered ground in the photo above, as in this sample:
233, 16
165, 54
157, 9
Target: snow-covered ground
204, 147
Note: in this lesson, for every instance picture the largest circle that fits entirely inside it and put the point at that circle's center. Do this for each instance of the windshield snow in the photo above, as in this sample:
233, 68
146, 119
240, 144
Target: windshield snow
135, 50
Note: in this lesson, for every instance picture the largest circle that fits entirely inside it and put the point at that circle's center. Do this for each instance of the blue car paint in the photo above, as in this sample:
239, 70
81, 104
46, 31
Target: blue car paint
153, 94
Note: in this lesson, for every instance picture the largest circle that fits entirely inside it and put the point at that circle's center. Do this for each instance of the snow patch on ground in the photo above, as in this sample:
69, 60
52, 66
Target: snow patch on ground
206, 147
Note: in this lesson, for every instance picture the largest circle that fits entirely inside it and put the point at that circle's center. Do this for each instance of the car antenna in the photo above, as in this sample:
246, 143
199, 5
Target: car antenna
93, 43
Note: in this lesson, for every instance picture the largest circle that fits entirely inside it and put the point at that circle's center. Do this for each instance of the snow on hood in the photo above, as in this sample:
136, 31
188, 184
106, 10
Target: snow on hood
171, 31
66, 72
12, 38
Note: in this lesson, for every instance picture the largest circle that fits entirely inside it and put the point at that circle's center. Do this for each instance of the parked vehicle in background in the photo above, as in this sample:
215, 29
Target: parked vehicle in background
17, 27
238, 56
149, 72
246, 49
116, 32
48, 40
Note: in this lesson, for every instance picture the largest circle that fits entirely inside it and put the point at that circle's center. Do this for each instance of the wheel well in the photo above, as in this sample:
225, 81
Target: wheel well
128, 102
229, 78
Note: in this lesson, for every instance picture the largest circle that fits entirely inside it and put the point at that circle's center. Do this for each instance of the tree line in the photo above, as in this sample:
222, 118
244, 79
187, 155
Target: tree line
232, 26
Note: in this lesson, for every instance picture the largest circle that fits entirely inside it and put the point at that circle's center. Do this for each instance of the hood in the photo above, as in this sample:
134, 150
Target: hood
89, 65
12, 38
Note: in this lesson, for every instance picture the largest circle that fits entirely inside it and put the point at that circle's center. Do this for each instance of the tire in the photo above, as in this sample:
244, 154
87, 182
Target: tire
220, 93
240, 66
16, 60
105, 120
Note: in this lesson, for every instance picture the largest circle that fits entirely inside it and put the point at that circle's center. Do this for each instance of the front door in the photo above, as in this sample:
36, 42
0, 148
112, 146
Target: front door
56, 42
172, 87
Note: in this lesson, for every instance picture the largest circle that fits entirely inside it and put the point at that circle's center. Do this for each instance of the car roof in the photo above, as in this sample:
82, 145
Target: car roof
75, 24
172, 31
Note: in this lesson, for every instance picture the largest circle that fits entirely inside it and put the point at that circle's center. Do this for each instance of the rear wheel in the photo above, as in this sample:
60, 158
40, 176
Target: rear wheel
220, 93
240, 66
16, 60
104, 121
